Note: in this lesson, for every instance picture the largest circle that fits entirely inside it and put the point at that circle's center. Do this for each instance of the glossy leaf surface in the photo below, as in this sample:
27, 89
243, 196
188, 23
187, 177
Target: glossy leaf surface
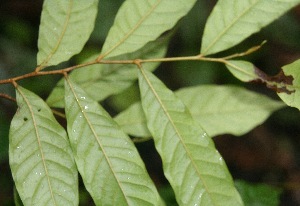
232, 21
107, 160
40, 155
110, 78
193, 166
65, 27
139, 22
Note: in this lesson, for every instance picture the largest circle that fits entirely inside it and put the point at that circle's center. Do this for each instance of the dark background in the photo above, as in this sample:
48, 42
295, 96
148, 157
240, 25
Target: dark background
269, 154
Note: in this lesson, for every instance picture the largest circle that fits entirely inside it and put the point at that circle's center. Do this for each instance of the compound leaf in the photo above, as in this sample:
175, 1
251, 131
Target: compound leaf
107, 160
110, 79
193, 166
232, 21
65, 27
139, 22
40, 155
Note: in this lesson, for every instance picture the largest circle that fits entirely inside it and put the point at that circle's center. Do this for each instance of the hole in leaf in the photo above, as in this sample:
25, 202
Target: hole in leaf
25, 119
39, 110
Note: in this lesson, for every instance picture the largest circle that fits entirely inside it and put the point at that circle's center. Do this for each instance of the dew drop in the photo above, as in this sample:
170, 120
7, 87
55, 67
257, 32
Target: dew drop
130, 154
204, 135
18, 147
204, 139
86, 107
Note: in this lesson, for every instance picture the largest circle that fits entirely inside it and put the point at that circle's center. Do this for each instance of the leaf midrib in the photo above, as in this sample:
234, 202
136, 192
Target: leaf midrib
39, 143
97, 138
176, 131
132, 30
44, 63
227, 28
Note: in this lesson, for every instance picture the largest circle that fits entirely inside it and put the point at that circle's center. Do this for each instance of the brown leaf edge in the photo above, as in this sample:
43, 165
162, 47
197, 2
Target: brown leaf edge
278, 83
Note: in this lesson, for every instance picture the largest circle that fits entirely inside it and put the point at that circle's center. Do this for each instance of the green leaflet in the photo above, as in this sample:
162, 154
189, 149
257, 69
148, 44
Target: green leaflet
232, 21
139, 22
258, 194
193, 166
107, 160
40, 156
218, 109
65, 27
242, 70
227, 109
133, 121
292, 71
246, 72
110, 78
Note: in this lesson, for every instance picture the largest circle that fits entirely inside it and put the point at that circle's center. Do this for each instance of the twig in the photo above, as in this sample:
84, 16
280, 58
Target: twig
59, 114
6, 96
100, 60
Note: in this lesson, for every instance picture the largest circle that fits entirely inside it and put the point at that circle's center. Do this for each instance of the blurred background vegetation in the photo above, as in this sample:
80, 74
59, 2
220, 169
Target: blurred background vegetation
269, 154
